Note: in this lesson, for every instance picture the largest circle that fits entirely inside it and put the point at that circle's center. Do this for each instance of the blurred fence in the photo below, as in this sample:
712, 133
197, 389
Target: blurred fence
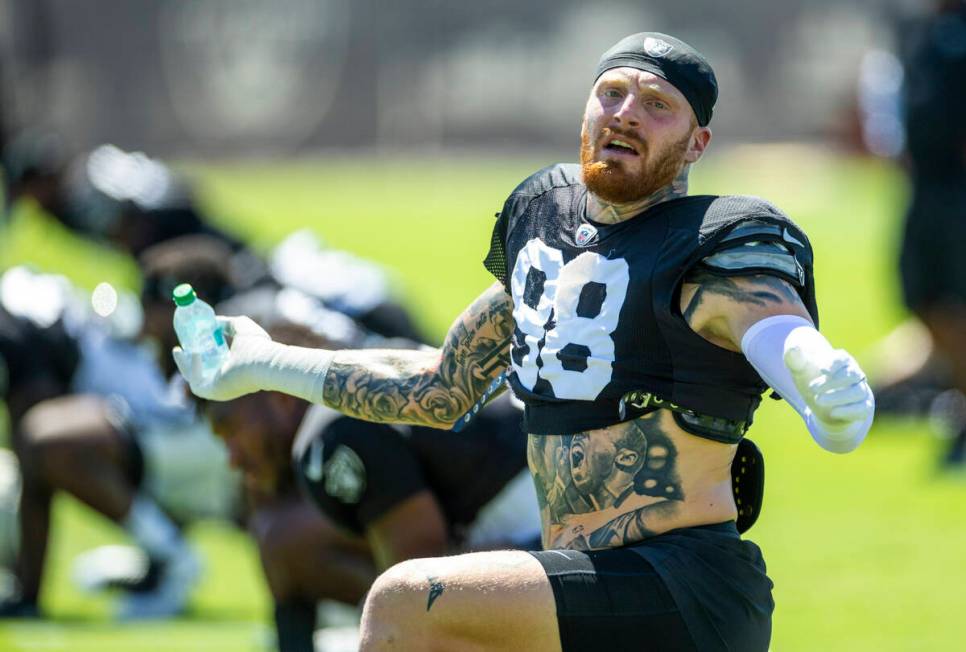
234, 77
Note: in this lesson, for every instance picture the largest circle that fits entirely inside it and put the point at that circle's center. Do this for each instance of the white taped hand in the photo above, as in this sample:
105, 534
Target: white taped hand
250, 347
254, 363
839, 402
824, 385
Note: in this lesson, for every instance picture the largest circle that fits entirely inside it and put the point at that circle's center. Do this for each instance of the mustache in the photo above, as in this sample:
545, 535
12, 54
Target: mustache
608, 133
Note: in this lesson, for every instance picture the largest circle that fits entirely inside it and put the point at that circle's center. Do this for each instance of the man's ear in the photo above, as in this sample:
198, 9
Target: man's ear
700, 139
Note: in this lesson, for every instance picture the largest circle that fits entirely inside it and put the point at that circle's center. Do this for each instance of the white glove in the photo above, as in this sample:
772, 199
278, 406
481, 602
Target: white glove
824, 385
256, 363
839, 405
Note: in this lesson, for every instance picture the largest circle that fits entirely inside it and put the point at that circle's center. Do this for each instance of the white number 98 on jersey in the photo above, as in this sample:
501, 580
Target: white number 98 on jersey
567, 313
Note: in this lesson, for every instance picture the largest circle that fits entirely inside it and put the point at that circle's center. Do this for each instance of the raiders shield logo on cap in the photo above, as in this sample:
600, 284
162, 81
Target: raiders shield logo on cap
586, 235
345, 475
656, 47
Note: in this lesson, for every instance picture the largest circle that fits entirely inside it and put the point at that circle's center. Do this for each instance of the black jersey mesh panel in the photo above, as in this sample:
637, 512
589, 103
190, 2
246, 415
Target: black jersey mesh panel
495, 261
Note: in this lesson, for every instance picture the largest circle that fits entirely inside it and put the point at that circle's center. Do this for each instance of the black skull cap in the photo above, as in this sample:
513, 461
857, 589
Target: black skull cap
671, 59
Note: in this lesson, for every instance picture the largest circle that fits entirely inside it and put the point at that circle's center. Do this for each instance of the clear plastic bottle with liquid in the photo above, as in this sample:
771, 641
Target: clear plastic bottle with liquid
198, 330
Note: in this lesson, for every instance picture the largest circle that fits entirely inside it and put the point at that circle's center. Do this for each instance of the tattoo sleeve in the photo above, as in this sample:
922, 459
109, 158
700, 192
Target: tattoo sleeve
721, 308
432, 388
758, 290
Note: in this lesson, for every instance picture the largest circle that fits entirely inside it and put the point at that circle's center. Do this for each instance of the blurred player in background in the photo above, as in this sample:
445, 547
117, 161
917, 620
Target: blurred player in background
108, 428
932, 265
38, 357
335, 500
38, 351
133, 201
125, 198
122, 439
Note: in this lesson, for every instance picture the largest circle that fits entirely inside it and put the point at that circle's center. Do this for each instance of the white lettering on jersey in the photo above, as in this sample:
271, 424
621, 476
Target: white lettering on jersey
576, 351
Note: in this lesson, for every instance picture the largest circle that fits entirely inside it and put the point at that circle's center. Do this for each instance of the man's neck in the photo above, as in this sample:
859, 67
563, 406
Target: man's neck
604, 212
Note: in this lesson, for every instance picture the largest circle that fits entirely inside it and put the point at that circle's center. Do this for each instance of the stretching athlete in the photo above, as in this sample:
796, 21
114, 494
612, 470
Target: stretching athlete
640, 327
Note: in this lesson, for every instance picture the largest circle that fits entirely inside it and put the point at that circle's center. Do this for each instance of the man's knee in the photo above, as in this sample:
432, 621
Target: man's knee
396, 614
406, 609
495, 601
55, 433
46, 456
397, 589
38, 448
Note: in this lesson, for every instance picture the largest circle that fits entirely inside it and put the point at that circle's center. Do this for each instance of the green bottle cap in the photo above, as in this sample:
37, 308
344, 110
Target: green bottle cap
184, 295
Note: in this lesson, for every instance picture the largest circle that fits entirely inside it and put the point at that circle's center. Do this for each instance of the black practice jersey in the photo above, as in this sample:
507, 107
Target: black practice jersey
355, 471
596, 306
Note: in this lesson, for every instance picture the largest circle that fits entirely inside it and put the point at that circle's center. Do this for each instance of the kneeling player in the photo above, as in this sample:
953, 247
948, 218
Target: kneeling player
120, 439
373, 495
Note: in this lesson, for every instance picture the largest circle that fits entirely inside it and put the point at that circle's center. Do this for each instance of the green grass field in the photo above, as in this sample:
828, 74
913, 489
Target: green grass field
867, 551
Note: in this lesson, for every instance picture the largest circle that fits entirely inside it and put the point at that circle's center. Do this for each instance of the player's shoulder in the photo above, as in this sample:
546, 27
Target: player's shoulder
729, 206
734, 217
745, 235
535, 187
558, 175
730, 210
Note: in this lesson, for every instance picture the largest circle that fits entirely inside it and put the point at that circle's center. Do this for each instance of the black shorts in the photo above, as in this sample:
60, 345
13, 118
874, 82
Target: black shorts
931, 263
699, 589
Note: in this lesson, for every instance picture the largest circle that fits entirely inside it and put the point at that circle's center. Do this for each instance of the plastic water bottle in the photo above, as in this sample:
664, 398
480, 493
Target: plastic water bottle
198, 330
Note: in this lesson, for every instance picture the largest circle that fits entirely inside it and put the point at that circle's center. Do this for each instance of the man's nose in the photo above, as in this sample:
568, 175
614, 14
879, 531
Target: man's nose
627, 114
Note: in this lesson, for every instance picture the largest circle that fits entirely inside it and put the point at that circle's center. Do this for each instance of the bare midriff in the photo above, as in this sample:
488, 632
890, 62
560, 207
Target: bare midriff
622, 484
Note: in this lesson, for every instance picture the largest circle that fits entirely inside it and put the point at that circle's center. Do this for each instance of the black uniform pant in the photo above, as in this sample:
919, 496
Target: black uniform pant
696, 589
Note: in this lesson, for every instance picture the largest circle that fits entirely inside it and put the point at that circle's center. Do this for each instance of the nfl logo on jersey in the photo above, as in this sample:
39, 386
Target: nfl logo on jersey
586, 235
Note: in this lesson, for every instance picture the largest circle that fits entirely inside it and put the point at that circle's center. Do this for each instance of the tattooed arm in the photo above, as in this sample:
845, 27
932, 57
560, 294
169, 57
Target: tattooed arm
432, 388
763, 317
722, 308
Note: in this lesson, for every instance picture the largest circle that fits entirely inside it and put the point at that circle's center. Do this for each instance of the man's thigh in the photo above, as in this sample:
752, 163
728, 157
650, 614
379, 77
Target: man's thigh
70, 427
479, 601
71, 417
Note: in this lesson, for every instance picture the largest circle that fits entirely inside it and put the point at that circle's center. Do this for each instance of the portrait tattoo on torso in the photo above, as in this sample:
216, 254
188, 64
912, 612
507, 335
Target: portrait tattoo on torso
600, 489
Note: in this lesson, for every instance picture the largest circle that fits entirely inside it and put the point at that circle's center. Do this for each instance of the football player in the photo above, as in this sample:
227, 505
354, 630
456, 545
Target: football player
134, 201
371, 495
639, 326
933, 270
124, 441
126, 198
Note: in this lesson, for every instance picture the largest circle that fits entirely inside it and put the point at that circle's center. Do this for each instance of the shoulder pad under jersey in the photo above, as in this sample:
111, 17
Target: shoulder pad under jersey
728, 212
757, 247
559, 175
743, 235
749, 235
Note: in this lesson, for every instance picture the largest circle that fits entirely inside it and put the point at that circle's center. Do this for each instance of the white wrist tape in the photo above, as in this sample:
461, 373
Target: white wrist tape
255, 362
765, 344
296, 370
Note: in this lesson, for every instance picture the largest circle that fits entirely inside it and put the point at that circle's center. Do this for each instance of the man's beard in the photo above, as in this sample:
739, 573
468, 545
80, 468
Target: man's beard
610, 181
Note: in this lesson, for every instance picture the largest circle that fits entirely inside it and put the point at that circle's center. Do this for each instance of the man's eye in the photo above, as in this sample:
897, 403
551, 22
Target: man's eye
658, 104
612, 93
